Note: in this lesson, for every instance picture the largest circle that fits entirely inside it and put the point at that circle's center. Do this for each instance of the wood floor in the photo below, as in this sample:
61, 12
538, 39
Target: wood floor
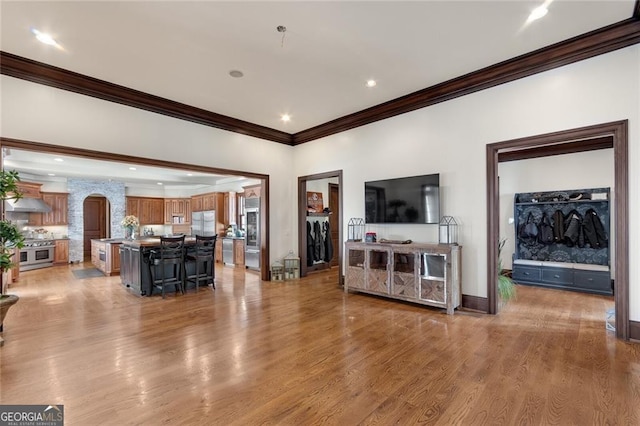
304, 353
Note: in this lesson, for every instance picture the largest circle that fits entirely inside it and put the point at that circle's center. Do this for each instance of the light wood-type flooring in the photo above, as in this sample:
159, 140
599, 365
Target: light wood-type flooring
305, 353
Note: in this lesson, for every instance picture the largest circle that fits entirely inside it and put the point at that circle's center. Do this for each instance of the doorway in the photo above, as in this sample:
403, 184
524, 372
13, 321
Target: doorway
604, 136
330, 185
95, 219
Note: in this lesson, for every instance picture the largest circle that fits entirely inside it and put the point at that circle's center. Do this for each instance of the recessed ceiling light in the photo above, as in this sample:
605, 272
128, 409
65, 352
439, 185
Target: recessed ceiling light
189, 174
44, 38
58, 159
538, 12
285, 117
159, 183
236, 73
371, 83
51, 174
132, 168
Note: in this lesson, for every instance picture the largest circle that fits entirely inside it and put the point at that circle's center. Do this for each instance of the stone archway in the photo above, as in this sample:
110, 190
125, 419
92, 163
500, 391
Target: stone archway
79, 189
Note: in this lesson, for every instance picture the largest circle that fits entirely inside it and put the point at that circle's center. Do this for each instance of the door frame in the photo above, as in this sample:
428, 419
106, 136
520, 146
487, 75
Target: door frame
565, 142
121, 158
302, 217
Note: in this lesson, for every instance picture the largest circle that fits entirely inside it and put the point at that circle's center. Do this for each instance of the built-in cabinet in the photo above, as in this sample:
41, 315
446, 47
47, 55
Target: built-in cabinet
105, 256
429, 274
233, 251
177, 211
61, 252
59, 203
570, 261
149, 211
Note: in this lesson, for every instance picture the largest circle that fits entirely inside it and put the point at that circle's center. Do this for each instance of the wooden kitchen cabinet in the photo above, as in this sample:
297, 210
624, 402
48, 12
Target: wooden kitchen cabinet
29, 189
177, 211
238, 252
61, 252
59, 203
149, 211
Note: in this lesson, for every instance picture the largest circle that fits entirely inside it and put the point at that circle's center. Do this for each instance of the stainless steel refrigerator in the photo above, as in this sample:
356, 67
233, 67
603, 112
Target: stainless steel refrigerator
203, 223
252, 238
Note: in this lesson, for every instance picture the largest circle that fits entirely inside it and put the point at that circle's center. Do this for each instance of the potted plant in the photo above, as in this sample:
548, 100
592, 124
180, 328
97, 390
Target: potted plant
10, 240
506, 286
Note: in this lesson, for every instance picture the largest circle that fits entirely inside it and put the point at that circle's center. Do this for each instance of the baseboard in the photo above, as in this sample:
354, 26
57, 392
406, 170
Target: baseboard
634, 330
475, 303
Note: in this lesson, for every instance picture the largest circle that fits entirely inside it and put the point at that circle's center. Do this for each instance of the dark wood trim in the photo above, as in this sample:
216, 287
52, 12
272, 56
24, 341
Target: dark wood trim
607, 39
265, 254
618, 132
98, 155
38, 72
475, 303
107, 156
594, 43
634, 330
563, 148
302, 217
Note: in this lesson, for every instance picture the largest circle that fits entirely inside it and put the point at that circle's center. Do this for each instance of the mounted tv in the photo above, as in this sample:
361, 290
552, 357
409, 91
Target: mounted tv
414, 199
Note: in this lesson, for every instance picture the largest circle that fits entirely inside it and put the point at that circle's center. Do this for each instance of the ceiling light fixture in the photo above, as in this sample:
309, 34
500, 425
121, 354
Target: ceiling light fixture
539, 11
45, 38
159, 183
285, 117
132, 168
281, 29
236, 73
60, 160
371, 83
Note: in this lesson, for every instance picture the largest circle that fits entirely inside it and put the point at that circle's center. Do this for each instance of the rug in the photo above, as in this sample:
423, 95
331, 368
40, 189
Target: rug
87, 273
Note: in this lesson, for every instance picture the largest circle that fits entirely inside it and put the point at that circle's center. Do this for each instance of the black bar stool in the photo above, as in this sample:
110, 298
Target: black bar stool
170, 253
203, 256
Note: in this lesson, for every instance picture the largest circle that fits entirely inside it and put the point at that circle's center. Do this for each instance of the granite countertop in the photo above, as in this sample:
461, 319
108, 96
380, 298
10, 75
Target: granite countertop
151, 241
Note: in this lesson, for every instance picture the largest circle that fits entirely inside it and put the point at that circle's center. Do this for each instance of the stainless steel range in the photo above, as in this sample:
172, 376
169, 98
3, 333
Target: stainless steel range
36, 254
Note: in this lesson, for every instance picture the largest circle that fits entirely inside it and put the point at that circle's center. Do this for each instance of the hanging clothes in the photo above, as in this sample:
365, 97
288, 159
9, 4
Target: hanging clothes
318, 246
310, 245
328, 244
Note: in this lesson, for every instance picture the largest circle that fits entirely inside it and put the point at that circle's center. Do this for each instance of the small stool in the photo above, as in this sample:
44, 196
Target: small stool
204, 260
170, 253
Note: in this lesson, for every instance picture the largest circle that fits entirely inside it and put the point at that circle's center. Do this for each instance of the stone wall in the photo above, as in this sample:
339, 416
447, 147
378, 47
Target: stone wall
79, 189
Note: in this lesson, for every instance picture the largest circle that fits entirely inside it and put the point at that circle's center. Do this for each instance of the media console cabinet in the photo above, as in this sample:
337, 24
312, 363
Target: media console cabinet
428, 274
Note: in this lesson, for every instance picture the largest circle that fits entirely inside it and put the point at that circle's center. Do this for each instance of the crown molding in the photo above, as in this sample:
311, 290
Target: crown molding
588, 45
39, 72
604, 40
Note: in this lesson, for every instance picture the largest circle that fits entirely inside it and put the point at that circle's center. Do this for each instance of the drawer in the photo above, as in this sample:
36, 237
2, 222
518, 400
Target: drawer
592, 280
557, 276
526, 273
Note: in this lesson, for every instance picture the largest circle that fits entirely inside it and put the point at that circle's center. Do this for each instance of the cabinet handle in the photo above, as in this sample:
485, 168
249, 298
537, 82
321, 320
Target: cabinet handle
556, 276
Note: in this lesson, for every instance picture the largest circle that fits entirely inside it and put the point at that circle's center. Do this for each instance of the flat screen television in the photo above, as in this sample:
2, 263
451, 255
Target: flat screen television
414, 199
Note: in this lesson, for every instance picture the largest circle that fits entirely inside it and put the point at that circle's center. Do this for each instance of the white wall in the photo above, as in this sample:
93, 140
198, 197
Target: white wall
450, 138
39, 113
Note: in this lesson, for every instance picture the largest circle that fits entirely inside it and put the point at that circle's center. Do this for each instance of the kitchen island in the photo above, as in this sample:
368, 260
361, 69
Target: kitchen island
135, 273
105, 255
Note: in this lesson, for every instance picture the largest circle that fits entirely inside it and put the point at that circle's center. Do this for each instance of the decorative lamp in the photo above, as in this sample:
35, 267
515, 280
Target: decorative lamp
355, 229
291, 266
448, 230
277, 271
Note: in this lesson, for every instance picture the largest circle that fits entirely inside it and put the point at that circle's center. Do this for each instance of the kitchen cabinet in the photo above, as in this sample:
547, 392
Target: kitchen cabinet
59, 203
238, 252
105, 255
252, 191
149, 211
29, 189
61, 252
177, 211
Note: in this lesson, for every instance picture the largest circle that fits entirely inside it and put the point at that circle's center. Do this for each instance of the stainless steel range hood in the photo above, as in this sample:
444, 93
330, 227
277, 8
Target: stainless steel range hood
27, 205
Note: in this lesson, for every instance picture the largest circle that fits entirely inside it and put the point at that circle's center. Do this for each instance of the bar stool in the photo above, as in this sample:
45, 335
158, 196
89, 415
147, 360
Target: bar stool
204, 260
170, 254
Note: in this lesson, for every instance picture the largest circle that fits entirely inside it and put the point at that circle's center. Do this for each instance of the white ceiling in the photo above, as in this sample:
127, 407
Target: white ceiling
184, 50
